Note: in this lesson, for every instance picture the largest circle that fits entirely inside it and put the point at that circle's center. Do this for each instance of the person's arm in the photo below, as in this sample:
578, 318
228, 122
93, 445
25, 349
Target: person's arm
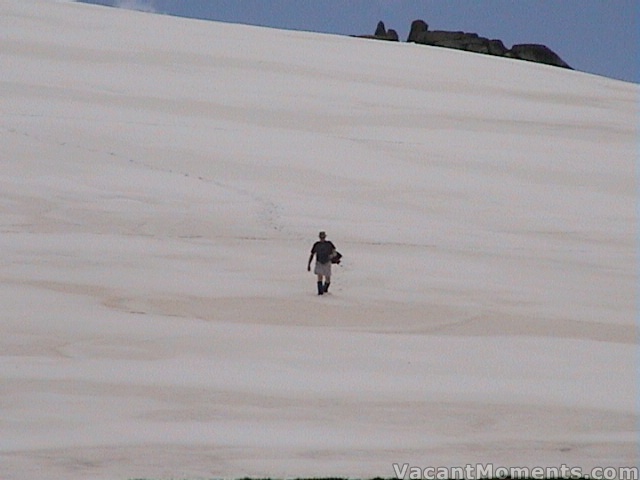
313, 252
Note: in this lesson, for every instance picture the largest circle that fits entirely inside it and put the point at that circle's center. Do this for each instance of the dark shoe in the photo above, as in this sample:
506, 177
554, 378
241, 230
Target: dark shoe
326, 287
320, 288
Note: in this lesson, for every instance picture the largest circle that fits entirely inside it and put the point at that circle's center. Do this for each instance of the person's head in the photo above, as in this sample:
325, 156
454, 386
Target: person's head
322, 235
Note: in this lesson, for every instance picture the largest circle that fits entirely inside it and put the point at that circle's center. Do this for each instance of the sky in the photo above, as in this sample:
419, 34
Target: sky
595, 36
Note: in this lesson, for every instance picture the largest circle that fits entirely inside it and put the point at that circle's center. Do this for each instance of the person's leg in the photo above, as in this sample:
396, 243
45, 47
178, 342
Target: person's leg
320, 286
327, 282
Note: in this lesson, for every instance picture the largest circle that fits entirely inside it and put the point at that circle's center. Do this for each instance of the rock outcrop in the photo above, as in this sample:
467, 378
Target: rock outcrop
418, 27
382, 33
536, 53
470, 42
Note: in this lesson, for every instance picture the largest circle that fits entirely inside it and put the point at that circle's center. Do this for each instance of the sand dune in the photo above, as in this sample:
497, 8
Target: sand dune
162, 182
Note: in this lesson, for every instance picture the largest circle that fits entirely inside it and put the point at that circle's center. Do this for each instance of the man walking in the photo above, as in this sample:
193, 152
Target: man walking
324, 250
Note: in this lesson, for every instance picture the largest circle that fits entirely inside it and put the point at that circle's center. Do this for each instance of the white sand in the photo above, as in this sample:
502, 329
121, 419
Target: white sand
162, 182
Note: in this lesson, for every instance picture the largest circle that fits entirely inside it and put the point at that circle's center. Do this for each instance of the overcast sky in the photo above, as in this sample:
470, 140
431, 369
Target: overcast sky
596, 36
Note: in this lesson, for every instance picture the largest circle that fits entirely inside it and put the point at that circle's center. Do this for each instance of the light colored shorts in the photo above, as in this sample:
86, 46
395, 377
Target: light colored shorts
323, 269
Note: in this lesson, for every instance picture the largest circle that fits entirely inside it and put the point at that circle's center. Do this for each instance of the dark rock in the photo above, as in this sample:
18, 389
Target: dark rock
418, 27
458, 40
450, 43
496, 47
438, 36
536, 53
482, 47
471, 42
381, 33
